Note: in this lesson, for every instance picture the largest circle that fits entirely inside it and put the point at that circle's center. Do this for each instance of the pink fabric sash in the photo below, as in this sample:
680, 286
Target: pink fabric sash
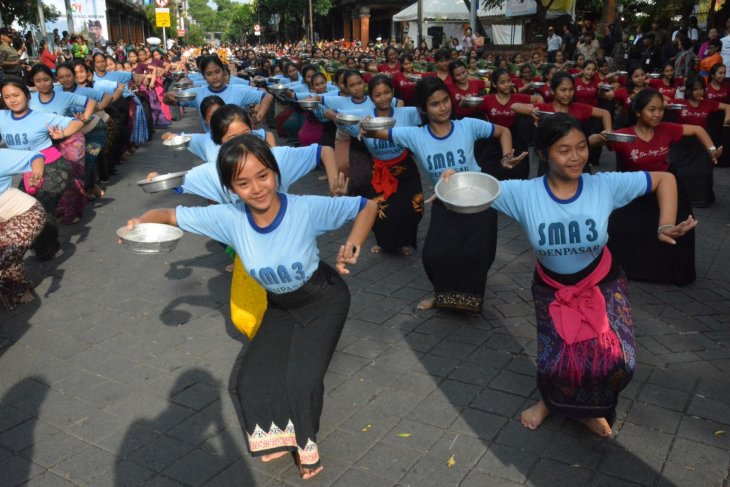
579, 316
52, 155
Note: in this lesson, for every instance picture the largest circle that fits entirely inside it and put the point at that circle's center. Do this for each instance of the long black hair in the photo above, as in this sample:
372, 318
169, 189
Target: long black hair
208, 102
223, 118
425, 87
640, 101
234, 153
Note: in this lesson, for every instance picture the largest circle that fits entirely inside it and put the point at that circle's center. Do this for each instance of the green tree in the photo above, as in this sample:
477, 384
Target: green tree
239, 18
25, 12
195, 36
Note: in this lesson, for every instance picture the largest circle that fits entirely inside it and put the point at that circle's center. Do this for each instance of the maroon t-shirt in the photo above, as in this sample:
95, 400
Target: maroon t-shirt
586, 91
502, 114
669, 90
722, 95
475, 87
579, 111
384, 68
696, 115
653, 155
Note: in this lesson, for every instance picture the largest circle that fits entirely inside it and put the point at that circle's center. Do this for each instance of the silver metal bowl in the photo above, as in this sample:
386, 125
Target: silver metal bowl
259, 80
186, 95
536, 84
622, 73
413, 77
162, 182
278, 88
179, 142
378, 123
468, 192
472, 101
676, 106
345, 119
150, 238
309, 104
178, 74
181, 84
655, 75
482, 72
272, 79
542, 114
605, 86
616, 137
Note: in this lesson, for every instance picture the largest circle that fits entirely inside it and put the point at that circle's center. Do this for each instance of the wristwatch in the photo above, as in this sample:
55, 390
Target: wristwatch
712, 149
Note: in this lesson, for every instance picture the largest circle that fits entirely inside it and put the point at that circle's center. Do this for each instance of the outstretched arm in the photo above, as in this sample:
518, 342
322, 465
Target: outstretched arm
665, 186
360, 230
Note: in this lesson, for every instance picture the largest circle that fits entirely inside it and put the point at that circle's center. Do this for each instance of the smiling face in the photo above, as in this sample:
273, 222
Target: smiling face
568, 155
564, 92
356, 86
382, 96
81, 75
66, 77
459, 75
255, 183
651, 115
15, 99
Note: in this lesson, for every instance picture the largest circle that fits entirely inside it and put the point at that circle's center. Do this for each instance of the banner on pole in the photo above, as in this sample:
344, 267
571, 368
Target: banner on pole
162, 17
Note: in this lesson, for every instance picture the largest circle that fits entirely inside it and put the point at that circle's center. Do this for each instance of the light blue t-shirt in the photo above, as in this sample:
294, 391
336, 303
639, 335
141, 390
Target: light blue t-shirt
384, 149
336, 102
106, 86
117, 76
203, 146
30, 132
14, 162
236, 94
62, 103
567, 235
452, 151
294, 163
97, 94
284, 255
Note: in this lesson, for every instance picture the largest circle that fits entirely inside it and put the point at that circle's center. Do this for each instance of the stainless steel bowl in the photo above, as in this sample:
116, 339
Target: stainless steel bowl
676, 106
259, 80
468, 192
413, 77
482, 72
185, 95
309, 104
150, 238
605, 86
182, 84
472, 101
178, 74
622, 73
536, 84
655, 75
346, 119
543, 114
278, 88
162, 182
179, 142
616, 137
378, 123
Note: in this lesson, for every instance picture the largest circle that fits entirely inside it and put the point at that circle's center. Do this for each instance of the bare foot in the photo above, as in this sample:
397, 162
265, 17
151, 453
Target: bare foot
598, 426
425, 304
534, 416
273, 456
229, 268
406, 250
308, 473
27, 297
376, 249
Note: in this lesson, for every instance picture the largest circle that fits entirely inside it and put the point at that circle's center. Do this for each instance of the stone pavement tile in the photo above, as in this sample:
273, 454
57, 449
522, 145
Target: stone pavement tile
459, 393
48, 479
435, 410
126, 441
701, 462
414, 435
498, 402
421, 342
347, 364
332, 471
404, 322
389, 461
18, 470
550, 472
371, 422
196, 467
437, 366
346, 446
679, 343
358, 478
335, 411
162, 481
673, 379
356, 392
710, 409
140, 375
397, 401
664, 397
522, 364
583, 449
86, 465
137, 407
700, 368
471, 335
433, 471
674, 475
703, 431
481, 479
473, 374
241, 474
159, 453
124, 473
644, 442
453, 349
490, 357
467, 450
196, 429
401, 356
196, 397
366, 348
478, 423
507, 462
333, 380
418, 383
26, 434
626, 465
714, 390
654, 417
10, 417
512, 383
515, 435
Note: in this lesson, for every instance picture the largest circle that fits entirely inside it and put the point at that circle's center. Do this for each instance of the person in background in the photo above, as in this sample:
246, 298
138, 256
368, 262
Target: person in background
554, 43
9, 58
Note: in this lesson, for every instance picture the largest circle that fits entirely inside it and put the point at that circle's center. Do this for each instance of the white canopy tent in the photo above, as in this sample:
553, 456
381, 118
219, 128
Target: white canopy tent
452, 16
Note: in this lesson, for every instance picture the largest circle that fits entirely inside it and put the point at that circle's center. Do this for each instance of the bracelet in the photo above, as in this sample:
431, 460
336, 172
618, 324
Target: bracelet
662, 227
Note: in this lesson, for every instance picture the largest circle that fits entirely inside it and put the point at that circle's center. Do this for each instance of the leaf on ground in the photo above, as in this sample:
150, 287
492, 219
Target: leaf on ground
404, 435
451, 461
367, 428
719, 433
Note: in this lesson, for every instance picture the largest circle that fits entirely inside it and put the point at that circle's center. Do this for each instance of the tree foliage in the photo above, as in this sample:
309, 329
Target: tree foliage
25, 12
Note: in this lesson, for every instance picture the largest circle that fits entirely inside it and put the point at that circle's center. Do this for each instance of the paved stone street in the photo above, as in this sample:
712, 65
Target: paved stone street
119, 372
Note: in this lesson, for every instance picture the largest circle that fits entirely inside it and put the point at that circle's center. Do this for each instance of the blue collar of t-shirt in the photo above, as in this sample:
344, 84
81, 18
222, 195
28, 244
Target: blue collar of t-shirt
217, 91
53, 95
12, 115
375, 111
277, 221
451, 131
558, 200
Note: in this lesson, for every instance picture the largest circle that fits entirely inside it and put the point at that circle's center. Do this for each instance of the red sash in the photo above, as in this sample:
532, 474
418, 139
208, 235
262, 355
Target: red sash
383, 181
